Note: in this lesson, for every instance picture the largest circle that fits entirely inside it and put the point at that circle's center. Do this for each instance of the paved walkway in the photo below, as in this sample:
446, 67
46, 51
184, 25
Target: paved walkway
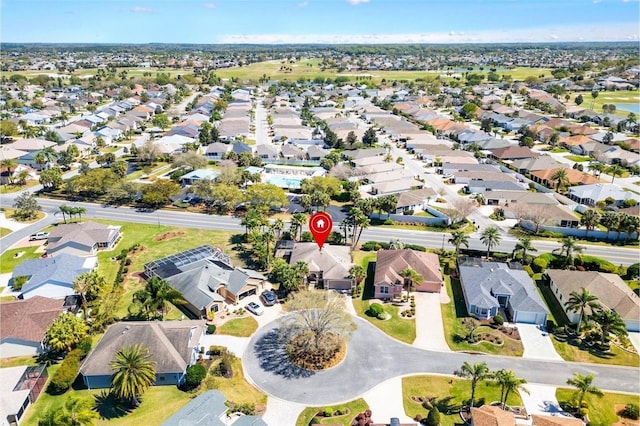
537, 344
429, 327
385, 401
634, 337
235, 345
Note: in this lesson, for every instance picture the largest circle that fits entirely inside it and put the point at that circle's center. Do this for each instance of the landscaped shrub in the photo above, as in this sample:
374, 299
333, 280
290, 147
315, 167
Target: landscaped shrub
246, 408
314, 421
375, 309
633, 271
528, 270
328, 412
64, 376
84, 346
306, 237
408, 212
211, 329
631, 411
18, 282
593, 263
374, 246
195, 374
433, 419
539, 264
498, 320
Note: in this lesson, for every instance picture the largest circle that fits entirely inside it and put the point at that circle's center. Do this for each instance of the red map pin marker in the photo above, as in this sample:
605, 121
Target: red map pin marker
320, 225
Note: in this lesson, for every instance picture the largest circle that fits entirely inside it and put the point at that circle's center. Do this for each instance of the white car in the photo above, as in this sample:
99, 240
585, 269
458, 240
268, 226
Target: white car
254, 308
39, 236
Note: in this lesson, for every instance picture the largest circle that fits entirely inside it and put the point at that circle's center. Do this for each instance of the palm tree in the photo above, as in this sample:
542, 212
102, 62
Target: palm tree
476, 372
357, 274
88, 283
302, 270
584, 384
508, 383
561, 178
610, 322
78, 211
590, 219
411, 276
614, 171
359, 221
597, 168
523, 245
76, 412
610, 220
569, 246
9, 164
459, 238
578, 302
133, 373
490, 237
23, 175
277, 227
297, 220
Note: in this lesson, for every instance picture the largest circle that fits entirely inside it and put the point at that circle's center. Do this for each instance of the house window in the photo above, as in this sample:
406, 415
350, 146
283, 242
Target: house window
384, 290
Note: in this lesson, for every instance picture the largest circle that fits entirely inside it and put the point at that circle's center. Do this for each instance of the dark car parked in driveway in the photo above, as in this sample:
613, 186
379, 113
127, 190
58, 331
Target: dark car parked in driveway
268, 298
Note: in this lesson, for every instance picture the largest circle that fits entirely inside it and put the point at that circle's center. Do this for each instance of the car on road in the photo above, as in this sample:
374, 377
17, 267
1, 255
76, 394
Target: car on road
254, 308
268, 298
39, 236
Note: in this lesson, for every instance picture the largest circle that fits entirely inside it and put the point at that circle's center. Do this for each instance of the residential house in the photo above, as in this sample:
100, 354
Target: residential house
173, 346
555, 420
451, 168
612, 292
388, 281
415, 200
617, 155
316, 153
490, 415
52, 276
205, 278
395, 186
217, 150
200, 174
492, 287
267, 152
505, 198
82, 238
19, 388
328, 268
512, 153
23, 324
590, 194
209, 409
240, 147
548, 214
466, 177
482, 186
574, 176
543, 162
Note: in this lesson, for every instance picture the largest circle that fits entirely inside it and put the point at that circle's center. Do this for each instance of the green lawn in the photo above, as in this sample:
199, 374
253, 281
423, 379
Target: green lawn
578, 158
601, 410
608, 97
18, 361
350, 410
363, 258
4, 232
396, 327
8, 260
239, 327
451, 393
570, 350
452, 314
237, 389
7, 189
10, 212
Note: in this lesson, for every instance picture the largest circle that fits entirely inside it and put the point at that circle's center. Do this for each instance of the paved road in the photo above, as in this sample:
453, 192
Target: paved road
373, 357
617, 255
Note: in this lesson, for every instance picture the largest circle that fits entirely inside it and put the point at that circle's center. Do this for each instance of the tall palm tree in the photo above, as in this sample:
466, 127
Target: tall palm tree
508, 383
610, 322
459, 238
476, 372
590, 219
597, 168
357, 274
561, 178
490, 237
578, 302
297, 220
569, 247
88, 285
10, 164
277, 227
610, 220
523, 245
615, 171
133, 373
411, 276
584, 384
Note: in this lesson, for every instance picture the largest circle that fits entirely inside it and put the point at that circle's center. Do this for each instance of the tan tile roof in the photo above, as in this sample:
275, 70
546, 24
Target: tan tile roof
492, 416
390, 263
28, 319
574, 176
539, 420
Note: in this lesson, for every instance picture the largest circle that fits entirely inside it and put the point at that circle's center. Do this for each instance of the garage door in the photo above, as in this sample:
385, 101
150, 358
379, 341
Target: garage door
526, 317
248, 293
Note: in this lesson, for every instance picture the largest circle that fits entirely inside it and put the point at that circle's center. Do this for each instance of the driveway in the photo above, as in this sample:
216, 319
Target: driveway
537, 343
429, 327
282, 413
634, 337
541, 399
385, 402
373, 357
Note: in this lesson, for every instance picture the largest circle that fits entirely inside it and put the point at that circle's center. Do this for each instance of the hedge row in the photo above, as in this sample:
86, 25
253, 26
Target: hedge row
66, 374
380, 245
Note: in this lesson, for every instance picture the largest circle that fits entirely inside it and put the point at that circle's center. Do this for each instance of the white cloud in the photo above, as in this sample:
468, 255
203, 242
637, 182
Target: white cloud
303, 4
617, 32
209, 5
139, 9
356, 2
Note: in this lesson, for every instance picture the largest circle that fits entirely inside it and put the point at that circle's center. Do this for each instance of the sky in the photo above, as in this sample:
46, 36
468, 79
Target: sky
318, 21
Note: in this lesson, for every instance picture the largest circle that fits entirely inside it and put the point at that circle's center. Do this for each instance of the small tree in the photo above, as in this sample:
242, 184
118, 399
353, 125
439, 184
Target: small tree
26, 206
584, 385
195, 375
433, 418
65, 332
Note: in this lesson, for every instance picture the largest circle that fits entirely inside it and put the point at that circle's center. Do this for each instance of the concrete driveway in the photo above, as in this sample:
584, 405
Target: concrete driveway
385, 402
537, 343
541, 399
429, 327
634, 337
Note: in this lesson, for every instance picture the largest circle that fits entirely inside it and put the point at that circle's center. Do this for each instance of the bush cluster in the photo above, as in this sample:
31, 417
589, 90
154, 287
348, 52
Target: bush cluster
631, 411
539, 265
64, 376
381, 245
195, 375
375, 310
211, 329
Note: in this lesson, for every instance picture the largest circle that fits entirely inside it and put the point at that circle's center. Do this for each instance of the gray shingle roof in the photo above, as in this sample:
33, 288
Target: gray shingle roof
61, 269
